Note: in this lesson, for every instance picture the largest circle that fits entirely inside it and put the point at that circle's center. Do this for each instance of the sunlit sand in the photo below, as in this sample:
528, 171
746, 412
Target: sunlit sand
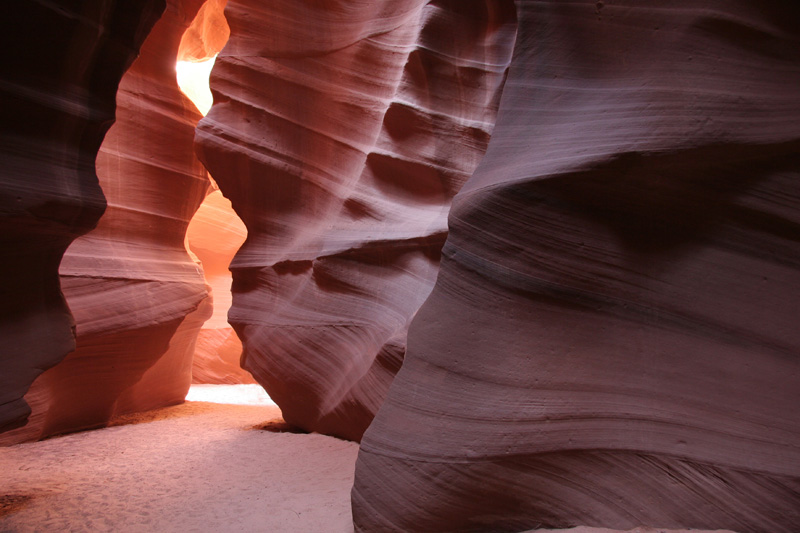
198, 466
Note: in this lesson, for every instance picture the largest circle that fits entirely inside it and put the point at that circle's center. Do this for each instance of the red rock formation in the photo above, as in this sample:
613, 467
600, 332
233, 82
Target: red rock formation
215, 232
340, 132
136, 295
612, 339
207, 34
214, 235
58, 77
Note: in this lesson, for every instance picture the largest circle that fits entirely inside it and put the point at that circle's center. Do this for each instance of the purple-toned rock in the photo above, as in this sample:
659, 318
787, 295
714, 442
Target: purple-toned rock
340, 133
58, 80
612, 340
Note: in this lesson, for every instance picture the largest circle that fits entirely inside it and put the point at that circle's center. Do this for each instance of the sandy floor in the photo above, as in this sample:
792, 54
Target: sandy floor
199, 466
195, 467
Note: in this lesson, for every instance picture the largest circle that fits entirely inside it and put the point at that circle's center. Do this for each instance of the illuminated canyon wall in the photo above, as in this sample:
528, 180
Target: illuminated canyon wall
214, 235
612, 340
215, 232
340, 133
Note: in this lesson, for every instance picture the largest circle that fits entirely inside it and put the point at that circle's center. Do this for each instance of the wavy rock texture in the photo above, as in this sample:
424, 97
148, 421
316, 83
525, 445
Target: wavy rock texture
340, 132
612, 339
136, 295
215, 232
53, 121
207, 34
214, 235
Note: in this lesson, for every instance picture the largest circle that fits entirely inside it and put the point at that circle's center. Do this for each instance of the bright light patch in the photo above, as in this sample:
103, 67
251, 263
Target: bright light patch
193, 81
230, 394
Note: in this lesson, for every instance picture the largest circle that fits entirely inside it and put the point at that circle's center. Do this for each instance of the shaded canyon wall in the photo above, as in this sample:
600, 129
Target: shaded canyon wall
612, 339
60, 70
137, 297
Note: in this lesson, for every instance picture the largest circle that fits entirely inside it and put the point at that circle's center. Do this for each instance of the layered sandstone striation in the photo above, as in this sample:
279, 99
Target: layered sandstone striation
207, 34
340, 133
58, 79
137, 296
612, 339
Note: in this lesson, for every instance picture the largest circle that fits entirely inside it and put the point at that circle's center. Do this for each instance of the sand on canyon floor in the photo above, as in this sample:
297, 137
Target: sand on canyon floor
200, 466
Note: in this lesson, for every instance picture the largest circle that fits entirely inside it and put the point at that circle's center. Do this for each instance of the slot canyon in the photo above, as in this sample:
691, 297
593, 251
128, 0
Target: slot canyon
501, 265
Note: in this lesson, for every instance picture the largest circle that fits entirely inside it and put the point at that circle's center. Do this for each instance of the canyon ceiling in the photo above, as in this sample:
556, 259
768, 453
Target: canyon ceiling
541, 258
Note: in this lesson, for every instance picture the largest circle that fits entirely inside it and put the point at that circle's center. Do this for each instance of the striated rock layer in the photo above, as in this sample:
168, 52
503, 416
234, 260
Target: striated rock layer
340, 133
58, 78
136, 295
612, 339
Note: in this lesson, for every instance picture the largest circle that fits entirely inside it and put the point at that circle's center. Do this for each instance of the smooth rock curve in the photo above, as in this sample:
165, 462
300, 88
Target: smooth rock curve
340, 132
214, 235
57, 102
612, 340
137, 296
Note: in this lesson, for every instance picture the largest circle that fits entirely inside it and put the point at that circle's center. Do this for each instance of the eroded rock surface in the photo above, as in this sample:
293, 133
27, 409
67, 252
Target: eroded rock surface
214, 235
215, 232
58, 78
340, 133
136, 295
612, 339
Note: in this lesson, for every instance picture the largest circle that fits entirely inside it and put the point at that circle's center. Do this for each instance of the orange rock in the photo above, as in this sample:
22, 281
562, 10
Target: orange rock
136, 294
215, 234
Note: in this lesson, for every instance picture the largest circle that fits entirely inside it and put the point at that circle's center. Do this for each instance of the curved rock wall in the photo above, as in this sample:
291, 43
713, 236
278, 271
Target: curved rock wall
340, 132
215, 232
207, 34
58, 79
214, 235
612, 339
136, 295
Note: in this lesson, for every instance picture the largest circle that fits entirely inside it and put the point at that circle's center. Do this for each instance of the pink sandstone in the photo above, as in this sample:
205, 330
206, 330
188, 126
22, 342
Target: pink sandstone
340, 133
611, 340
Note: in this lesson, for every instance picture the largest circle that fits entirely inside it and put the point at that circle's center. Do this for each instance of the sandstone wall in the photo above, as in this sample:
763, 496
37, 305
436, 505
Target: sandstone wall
214, 235
137, 297
612, 339
59, 74
340, 133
